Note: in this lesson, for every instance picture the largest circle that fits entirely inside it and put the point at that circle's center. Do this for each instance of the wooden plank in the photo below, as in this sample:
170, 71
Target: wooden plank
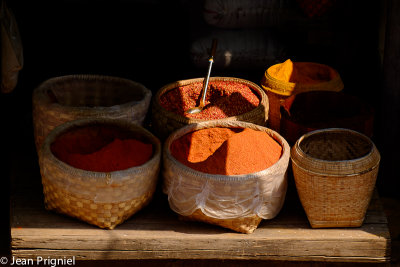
160, 255
156, 233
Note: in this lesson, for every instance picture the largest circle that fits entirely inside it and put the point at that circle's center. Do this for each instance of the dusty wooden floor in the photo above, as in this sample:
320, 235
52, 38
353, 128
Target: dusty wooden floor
391, 207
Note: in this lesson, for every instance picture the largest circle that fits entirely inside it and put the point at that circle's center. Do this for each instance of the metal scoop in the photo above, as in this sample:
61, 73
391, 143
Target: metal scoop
201, 105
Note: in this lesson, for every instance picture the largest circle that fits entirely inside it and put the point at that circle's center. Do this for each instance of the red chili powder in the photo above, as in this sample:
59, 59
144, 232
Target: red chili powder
100, 150
227, 151
224, 99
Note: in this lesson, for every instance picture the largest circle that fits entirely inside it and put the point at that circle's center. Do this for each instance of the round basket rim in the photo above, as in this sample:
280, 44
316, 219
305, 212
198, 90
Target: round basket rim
90, 121
230, 124
263, 98
298, 147
38, 93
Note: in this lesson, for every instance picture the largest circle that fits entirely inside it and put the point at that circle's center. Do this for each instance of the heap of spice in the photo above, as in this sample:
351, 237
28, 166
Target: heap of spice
227, 151
224, 99
100, 149
302, 72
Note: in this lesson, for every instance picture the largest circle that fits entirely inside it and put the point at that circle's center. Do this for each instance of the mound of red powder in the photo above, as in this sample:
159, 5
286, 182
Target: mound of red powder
100, 150
224, 99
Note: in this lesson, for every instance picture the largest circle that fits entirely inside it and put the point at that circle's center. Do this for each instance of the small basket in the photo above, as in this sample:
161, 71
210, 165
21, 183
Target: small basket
278, 91
237, 202
165, 122
104, 199
335, 172
72, 97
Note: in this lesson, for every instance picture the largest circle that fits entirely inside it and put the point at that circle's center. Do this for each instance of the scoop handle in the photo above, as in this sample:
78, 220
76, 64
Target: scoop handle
206, 80
213, 48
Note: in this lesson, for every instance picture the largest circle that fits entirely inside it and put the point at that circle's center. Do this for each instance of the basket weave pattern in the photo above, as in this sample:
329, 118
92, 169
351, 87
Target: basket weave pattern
335, 193
335, 202
99, 198
237, 202
103, 215
66, 98
165, 122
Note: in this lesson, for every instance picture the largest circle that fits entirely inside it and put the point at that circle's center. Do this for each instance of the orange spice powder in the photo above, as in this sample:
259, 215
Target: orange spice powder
302, 72
227, 151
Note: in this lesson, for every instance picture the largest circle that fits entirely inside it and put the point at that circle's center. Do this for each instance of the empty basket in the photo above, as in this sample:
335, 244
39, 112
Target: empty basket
335, 172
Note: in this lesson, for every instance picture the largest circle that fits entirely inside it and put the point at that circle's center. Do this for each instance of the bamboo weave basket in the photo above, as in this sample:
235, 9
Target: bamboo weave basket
214, 199
165, 122
104, 199
71, 97
278, 91
335, 172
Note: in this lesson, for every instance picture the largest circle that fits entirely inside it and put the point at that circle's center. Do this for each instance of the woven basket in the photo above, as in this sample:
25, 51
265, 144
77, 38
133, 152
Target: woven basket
335, 172
309, 111
277, 91
165, 122
104, 199
236, 202
72, 97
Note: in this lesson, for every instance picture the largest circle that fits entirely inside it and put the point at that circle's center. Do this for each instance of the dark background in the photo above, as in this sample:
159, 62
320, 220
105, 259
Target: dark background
149, 42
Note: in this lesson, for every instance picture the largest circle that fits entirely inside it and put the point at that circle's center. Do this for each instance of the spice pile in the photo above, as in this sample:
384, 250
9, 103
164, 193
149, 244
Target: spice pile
224, 99
101, 149
227, 151
302, 72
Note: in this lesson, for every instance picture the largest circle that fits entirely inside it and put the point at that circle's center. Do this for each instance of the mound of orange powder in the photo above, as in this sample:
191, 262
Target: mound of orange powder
227, 151
302, 72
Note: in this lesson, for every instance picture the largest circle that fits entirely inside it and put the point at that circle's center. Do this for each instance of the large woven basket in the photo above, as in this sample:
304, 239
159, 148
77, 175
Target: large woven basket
335, 172
104, 199
72, 97
237, 202
165, 122
277, 91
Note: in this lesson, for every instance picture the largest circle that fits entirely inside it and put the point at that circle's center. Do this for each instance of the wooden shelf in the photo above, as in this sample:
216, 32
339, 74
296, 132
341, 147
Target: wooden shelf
157, 233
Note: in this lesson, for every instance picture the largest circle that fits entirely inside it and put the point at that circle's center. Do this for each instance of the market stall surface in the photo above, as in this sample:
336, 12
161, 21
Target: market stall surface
157, 233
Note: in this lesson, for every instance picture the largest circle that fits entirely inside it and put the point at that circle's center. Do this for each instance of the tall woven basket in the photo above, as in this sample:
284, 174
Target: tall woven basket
165, 122
67, 98
104, 199
278, 91
335, 171
236, 202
